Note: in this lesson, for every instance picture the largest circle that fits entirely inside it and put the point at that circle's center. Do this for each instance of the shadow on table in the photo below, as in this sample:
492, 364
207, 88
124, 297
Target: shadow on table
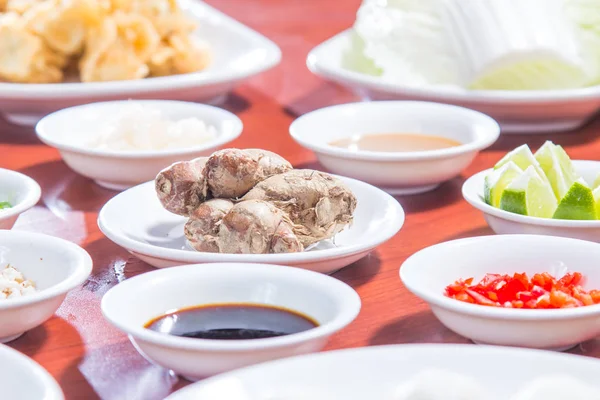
479, 231
57, 333
32, 341
64, 190
360, 272
323, 96
421, 327
15, 134
235, 103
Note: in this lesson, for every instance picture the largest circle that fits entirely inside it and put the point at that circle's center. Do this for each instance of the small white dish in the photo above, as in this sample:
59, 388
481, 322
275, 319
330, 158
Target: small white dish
20, 191
503, 222
429, 271
540, 111
66, 130
397, 173
24, 379
238, 53
136, 221
377, 373
55, 266
136, 301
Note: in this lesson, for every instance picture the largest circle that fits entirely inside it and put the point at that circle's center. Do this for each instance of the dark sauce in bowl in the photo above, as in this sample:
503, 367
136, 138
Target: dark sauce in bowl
232, 321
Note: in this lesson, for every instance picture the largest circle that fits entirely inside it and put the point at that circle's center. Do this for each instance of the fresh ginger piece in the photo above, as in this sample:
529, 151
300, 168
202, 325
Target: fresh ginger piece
202, 229
231, 173
257, 227
181, 188
318, 204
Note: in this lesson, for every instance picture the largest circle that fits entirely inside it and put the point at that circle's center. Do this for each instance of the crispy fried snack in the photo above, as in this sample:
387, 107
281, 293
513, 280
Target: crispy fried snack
179, 54
63, 24
24, 56
119, 49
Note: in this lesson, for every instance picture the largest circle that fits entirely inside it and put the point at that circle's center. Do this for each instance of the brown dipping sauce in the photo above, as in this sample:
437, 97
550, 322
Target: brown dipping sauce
232, 321
395, 142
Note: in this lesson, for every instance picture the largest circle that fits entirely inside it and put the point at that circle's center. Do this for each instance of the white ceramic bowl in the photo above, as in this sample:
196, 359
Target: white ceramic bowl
398, 173
55, 266
506, 222
66, 131
134, 302
429, 271
376, 372
238, 53
516, 111
23, 379
20, 191
136, 220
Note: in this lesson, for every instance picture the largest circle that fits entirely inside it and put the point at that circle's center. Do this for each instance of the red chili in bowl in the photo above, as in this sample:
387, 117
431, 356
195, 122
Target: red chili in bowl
542, 291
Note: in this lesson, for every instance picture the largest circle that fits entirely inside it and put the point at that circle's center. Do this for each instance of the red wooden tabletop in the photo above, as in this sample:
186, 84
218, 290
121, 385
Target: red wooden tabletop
91, 359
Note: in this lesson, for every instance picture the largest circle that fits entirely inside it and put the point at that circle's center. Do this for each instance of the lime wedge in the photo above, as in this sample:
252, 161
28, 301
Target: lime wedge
579, 203
529, 194
596, 182
558, 168
497, 181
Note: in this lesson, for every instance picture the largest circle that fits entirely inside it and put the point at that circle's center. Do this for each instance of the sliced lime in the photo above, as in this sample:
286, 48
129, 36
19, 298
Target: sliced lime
529, 194
498, 180
558, 168
597, 182
578, 203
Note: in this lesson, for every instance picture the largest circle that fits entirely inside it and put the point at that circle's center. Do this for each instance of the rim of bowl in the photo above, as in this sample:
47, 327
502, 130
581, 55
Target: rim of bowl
82, 261
347, 296
443, 93
439, 300
33, 195
476, 201
483, 139
390, 229
52, 387
45, 126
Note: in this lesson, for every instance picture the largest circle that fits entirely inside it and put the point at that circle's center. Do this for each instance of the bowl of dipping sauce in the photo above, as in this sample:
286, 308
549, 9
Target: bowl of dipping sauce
204, 319
120, 144
404, 147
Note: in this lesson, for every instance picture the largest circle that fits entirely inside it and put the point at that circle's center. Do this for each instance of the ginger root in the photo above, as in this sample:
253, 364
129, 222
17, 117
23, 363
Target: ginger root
319, 205
202, 229
253, 202
231, 173
257, 227
181, 188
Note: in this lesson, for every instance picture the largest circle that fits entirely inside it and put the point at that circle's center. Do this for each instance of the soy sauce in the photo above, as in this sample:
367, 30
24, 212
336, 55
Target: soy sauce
232, 321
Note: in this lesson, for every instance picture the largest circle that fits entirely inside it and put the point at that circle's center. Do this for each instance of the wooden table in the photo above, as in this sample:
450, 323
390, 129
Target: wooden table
91, 359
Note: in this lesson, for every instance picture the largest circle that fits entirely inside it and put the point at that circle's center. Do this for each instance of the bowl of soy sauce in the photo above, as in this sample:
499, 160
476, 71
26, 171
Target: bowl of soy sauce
200, 320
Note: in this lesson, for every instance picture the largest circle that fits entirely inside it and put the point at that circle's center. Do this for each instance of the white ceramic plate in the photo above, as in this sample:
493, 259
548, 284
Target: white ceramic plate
515, 111
239, 52
503, 222
401, 172
67, 130
20, 191
136, 221
23, 379
428, 272
374, 373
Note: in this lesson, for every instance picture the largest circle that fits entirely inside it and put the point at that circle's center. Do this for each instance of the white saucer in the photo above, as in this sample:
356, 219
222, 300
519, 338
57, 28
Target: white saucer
136, 221
24, 379
376, 373
523, 111
238, 53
